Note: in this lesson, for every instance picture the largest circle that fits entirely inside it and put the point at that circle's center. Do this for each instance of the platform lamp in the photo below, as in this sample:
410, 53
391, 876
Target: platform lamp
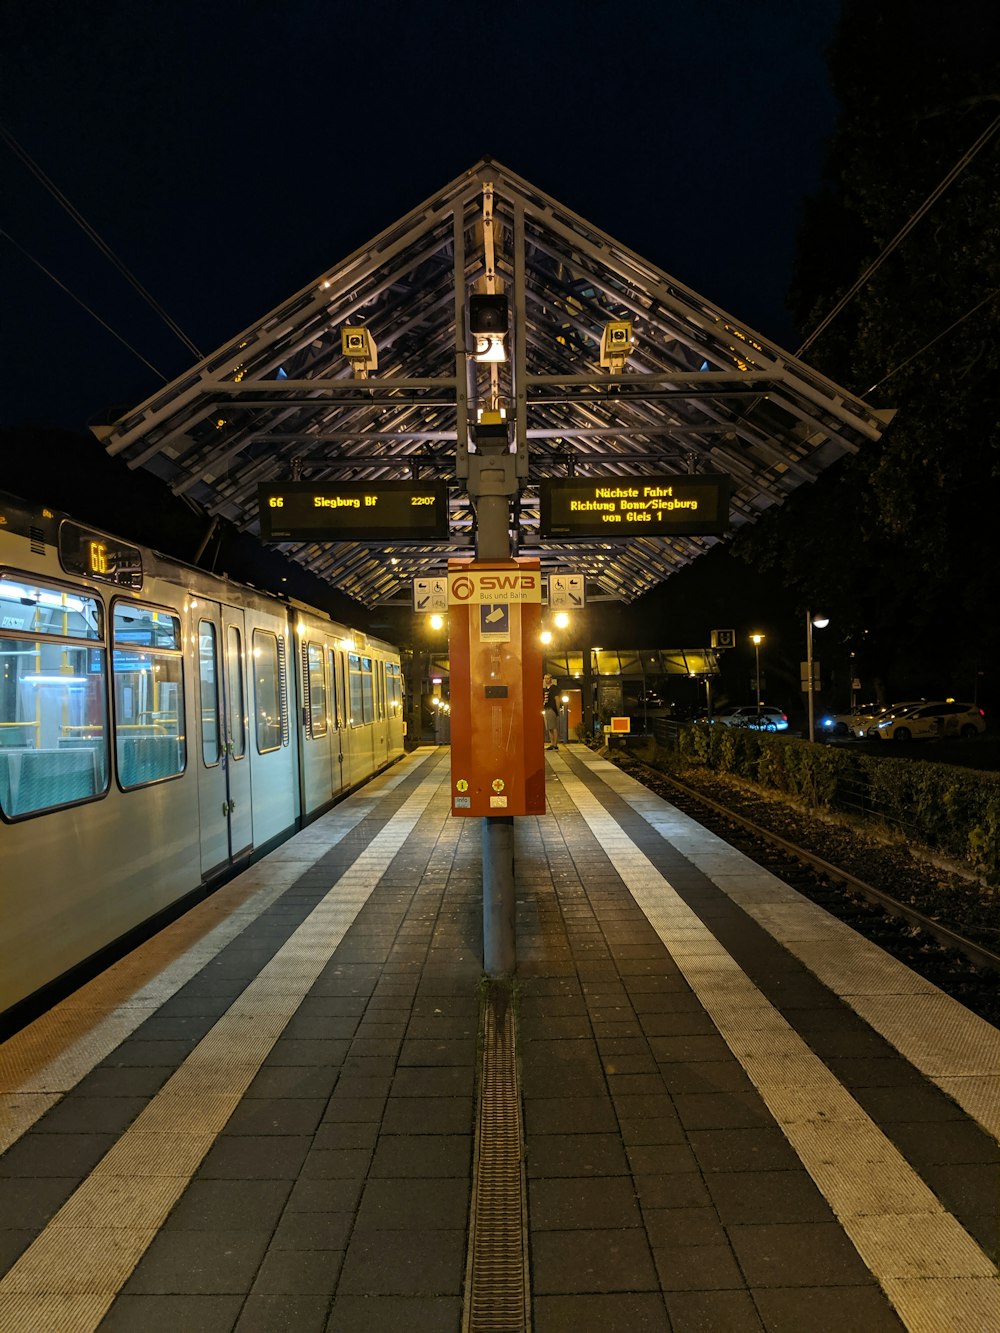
757, 640
820, 621
488, 321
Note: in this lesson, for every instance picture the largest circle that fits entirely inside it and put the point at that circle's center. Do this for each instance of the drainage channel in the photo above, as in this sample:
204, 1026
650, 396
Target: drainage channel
497, 1291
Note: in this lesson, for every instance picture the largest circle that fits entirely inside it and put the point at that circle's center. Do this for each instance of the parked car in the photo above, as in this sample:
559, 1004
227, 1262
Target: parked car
759, 719
942, 717
867, 716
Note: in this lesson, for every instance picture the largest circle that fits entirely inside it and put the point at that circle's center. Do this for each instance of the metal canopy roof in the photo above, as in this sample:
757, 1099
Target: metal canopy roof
699, 392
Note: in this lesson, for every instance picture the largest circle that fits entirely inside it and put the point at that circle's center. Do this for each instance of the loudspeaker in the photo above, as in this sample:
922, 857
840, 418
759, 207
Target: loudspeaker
488, 314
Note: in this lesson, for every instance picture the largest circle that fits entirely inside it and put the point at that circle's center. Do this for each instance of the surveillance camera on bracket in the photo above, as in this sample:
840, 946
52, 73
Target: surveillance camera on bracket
358, 346
617, 341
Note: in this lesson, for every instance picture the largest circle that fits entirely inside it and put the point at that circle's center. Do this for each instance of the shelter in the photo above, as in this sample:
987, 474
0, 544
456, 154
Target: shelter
385, 368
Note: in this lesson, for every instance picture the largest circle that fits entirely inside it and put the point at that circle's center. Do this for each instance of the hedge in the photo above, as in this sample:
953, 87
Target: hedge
948, 809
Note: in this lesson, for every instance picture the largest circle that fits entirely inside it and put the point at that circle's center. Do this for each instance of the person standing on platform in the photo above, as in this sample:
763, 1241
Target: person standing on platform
550, 711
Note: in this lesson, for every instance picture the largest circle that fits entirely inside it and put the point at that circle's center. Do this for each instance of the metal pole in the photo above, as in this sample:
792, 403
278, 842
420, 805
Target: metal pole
810, 698
756, 649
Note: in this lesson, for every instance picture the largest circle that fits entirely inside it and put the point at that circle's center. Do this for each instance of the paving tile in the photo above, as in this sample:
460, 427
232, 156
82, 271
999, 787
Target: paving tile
295, 1272
266, 1313
324, 1196
798, 1254
658, 1159
616, 1312
424, 1155
199, 1262
706, 1076
344, 1109
229, 1205
767, 1197
346, 1134
698, 1268
395, 1314
313, 1231
826, 1310
144, 1081
742, 1150
404, 1263
722, 1312
428, 1115
48, 1155
28, 1203
721, 1110
680, 1189
564, 1204
437, 1082
964, 1142
169, 1313
414, 1205
255, 1157
336, 1164
293, 1081
675, 1228
576, 1155
305, 1052
591, 1261
259, 1116
582, 1115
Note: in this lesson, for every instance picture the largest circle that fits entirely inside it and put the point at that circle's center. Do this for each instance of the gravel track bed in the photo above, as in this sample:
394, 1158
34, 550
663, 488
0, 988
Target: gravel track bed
939, 891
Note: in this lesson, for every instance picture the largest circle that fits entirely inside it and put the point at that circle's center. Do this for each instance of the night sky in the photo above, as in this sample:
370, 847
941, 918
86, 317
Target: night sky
229, 153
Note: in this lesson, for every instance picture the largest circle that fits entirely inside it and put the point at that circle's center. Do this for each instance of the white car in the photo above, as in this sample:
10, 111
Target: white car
940, 718
867, 716
759, 719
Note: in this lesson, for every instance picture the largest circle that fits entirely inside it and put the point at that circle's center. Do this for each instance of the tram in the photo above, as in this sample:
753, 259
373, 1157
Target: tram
161, 727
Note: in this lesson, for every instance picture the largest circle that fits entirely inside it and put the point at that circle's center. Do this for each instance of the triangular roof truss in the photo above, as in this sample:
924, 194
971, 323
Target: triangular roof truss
700, 392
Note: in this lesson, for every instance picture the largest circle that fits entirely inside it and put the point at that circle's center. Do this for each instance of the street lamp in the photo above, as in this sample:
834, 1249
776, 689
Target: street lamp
821, 622
757, 640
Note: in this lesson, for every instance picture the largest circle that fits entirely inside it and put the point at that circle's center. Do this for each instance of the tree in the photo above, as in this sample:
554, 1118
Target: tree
900, 537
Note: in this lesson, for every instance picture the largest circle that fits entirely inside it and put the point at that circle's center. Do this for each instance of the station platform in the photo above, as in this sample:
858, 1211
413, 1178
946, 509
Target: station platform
736, 1114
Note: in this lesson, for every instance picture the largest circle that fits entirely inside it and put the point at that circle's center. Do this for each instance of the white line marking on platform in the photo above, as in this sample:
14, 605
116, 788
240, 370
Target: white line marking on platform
928, 1265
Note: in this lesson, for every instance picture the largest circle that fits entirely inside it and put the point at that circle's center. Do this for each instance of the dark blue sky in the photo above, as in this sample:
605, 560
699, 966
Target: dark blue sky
228, 153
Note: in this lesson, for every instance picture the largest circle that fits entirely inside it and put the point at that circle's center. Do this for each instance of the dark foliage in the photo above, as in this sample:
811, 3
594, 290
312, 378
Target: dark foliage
898, 543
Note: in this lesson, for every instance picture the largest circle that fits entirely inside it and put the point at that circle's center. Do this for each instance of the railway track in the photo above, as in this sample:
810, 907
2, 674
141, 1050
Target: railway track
961, 966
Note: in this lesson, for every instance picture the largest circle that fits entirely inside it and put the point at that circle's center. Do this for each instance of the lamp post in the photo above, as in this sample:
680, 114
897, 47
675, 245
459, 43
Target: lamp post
821, 622
757, 640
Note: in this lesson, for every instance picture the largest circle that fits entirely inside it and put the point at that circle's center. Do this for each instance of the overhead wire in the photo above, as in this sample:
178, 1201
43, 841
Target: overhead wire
98, 240
73, 296
903, 232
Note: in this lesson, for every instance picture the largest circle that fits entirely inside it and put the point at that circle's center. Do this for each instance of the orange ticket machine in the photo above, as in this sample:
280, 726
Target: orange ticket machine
497, 734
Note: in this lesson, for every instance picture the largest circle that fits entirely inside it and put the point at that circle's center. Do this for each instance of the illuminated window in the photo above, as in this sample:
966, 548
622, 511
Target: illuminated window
147, 665
53, 697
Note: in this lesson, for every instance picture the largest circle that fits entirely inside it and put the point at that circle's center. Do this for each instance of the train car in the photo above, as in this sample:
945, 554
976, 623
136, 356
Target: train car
160, 728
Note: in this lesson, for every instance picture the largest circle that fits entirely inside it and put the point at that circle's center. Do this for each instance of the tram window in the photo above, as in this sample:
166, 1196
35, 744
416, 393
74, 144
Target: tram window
235, 702
147, 665
267, 689
208, 672
394, 688
368, 705
357, 714
337, 692
380, 690
315, 691
53, 697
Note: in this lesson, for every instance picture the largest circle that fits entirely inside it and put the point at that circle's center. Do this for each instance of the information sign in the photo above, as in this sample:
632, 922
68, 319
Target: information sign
358, 511
695, 505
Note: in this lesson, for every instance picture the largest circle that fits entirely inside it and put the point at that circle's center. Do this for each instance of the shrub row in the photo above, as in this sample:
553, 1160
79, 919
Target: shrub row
952, 810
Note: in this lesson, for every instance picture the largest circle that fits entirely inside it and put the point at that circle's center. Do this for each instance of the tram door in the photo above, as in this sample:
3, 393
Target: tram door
223, 761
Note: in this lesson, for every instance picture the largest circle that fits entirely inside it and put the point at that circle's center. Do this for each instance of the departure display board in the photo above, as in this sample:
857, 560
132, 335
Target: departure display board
95, 555
670, 505
357, 511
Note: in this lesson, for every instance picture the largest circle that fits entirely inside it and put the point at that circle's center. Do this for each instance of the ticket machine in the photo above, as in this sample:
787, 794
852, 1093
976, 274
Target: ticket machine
497, 735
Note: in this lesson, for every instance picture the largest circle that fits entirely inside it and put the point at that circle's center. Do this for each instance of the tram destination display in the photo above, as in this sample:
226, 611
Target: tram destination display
95, 555
668, 505
359, 511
